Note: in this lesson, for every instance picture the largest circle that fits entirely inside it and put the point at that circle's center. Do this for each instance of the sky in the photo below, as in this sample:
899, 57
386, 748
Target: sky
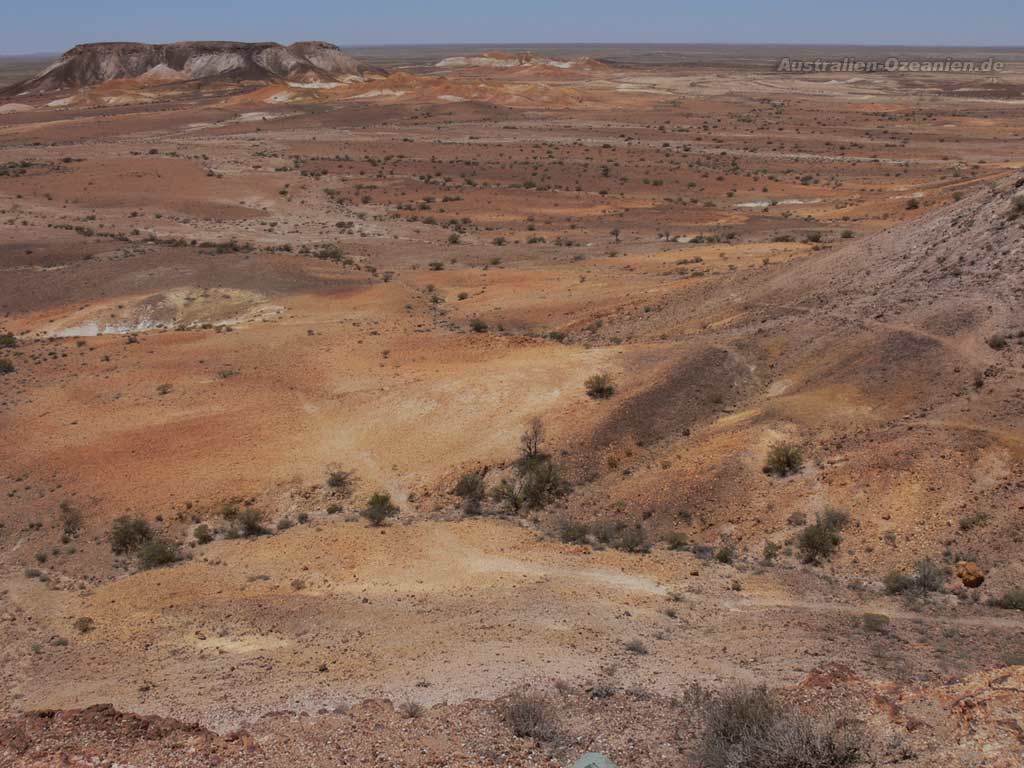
55, 25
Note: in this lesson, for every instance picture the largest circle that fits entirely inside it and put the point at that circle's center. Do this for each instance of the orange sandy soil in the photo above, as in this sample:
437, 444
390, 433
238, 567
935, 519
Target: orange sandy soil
180, 345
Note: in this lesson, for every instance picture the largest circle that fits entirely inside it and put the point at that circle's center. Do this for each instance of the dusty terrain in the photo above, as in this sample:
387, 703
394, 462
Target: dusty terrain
221, 291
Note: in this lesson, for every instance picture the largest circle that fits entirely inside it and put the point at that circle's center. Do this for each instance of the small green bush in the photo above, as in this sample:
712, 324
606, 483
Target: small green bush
600, 386
784, 459
379, 509
157, 552
8, 341
1012, 600
70, 519
6, 366
876, 622
819, 540
250, 522
572, 532
129, 534
896, 583
472, 490
202, 534
477, 325
339, 480
927, 577
632, 538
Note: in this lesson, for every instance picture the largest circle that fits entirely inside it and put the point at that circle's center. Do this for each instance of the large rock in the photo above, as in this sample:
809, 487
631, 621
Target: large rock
970, 574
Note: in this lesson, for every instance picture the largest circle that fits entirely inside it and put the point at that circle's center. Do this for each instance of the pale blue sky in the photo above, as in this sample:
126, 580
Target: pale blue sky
55, 25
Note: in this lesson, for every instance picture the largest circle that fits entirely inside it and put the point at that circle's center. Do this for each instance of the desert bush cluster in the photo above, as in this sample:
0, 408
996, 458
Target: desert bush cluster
535, 479
753, 728
784, 459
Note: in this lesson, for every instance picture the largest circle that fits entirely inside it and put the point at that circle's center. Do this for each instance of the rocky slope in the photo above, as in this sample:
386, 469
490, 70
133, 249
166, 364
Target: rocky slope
98, 63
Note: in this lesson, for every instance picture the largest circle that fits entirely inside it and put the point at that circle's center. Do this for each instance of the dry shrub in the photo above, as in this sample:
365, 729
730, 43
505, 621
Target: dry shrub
752, 728
530, 715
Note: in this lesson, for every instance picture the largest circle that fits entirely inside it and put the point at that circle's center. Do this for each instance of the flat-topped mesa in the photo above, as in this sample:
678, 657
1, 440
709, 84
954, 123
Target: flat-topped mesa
97, 63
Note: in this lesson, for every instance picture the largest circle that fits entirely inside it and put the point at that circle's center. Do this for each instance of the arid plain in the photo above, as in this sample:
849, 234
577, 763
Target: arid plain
733, 308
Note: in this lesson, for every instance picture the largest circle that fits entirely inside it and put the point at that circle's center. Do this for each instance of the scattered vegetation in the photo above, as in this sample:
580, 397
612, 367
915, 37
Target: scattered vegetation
1011, 600
529, 715
249, 523
472, 490
202, 534
6, 366
70, 519
158, 552
819, 540
927, 577
378, 509
751, 727
600, 387
129, 534
784, 459
339, 480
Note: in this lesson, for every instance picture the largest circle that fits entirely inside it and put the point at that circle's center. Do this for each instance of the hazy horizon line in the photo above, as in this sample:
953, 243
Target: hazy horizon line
523, 43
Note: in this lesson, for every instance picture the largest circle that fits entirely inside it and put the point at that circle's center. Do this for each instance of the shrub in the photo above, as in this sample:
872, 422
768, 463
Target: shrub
599, 386
876, 622
70, 519
637, 647
379, 509
530, 442
1011, 600
477, 325
284, 524
913, 204
571, 532
541, 482
411, 709
6, 366
471, 489
632, 539
129, 534
819, 540
84, 624
784, 459
250, 522
677, 541
339, 480
7, 341
997, 342
203, 534
726, 554
509, 494
897, 583
750, 727
927, 577
529, 715
157, 552
770, 552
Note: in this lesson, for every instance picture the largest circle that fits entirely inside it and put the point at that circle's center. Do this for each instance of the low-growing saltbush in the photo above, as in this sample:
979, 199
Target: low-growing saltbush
378, 509
784, 459
819, 540
128, 534
530, 715
600, 386
157, 552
